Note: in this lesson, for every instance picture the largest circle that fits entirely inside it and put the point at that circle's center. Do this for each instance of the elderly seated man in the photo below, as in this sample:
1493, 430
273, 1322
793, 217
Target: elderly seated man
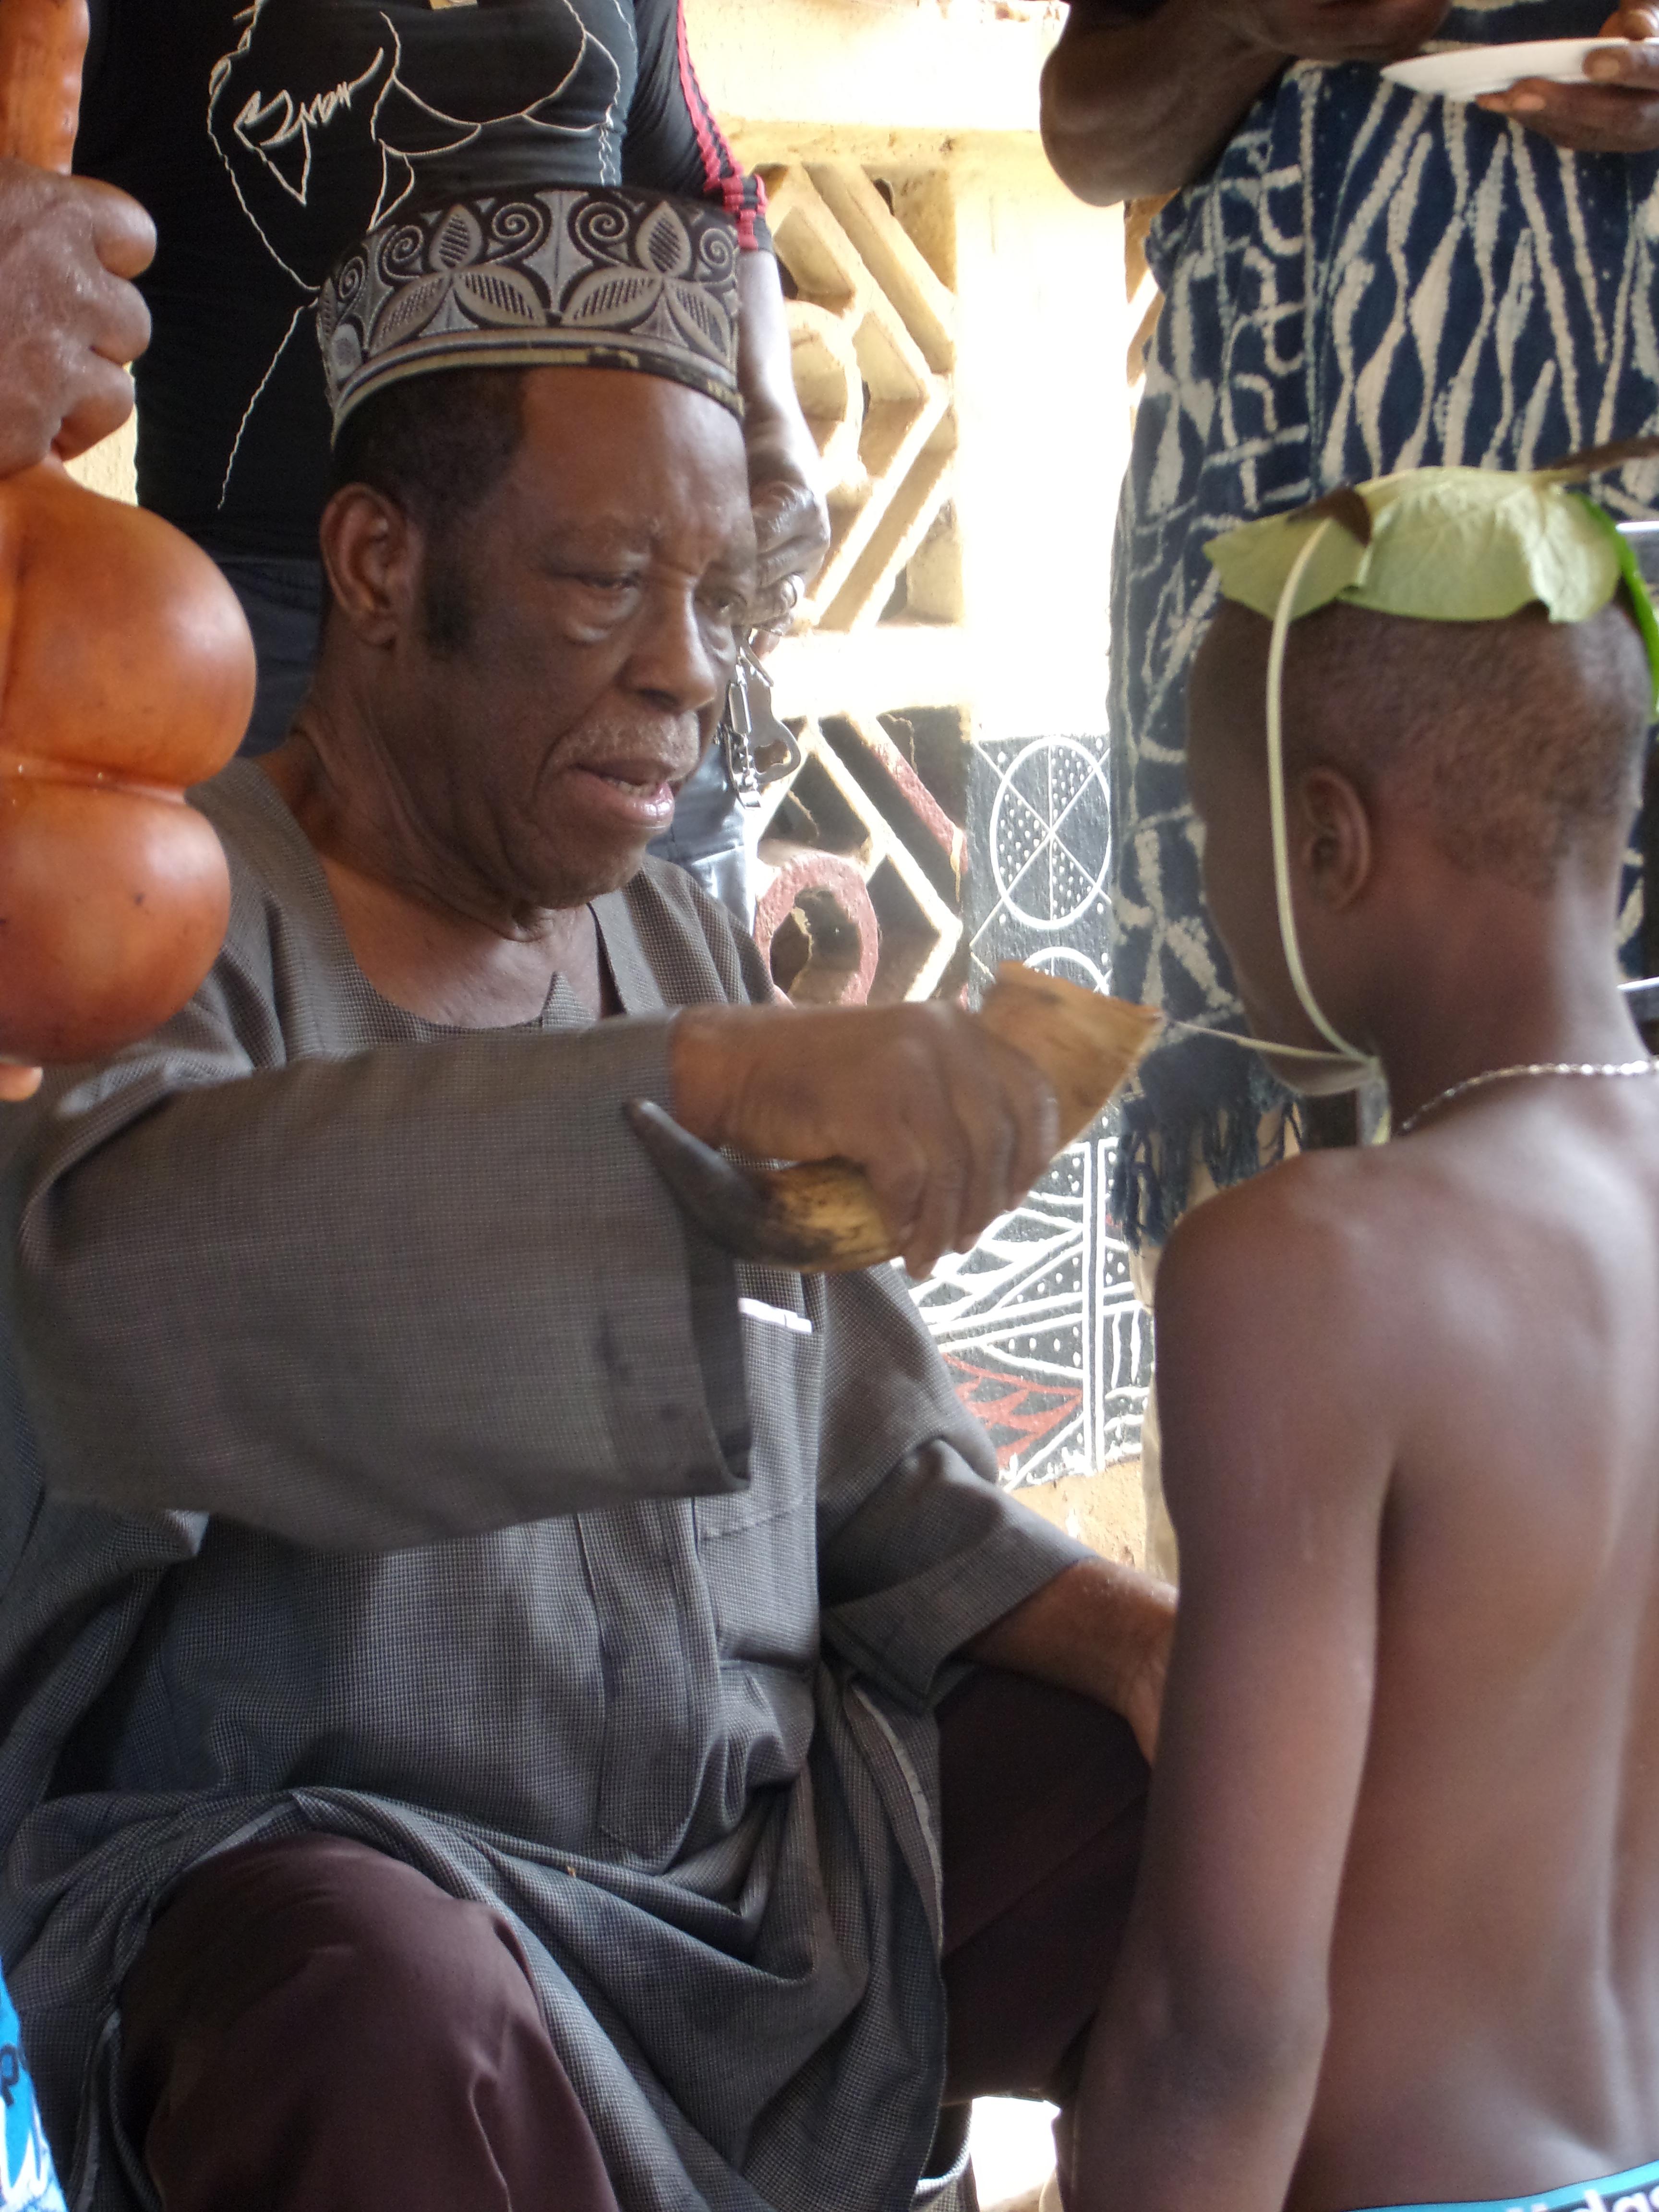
484, 1717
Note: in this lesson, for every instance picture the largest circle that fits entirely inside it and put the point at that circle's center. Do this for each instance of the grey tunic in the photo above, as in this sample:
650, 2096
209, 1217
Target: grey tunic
383, 1455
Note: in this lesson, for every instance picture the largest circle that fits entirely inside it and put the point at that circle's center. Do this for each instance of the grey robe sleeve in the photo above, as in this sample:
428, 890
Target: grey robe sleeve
369, 1300
919, 1550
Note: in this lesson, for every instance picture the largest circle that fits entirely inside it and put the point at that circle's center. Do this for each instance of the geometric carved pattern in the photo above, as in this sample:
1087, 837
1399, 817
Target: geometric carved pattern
1040, 832
1048, 842
1039, 845
872, 330
1048, 1342
899, 825
857, 812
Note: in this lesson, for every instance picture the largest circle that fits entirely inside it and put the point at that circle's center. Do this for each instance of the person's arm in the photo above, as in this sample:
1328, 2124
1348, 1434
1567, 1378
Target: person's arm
919, 1549
406, 1294
925, 1561
1100, 1629
792, 523
422, 1291
674, 143
1201, 2071
1618, 114
1136, 103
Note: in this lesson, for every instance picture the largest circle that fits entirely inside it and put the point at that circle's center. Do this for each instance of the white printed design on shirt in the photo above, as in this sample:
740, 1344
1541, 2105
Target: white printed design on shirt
318, 155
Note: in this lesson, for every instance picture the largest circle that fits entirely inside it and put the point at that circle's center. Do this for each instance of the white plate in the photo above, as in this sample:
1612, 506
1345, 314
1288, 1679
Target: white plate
1465, 72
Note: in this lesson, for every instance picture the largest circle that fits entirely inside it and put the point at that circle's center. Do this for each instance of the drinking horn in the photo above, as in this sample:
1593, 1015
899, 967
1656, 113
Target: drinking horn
821, 1215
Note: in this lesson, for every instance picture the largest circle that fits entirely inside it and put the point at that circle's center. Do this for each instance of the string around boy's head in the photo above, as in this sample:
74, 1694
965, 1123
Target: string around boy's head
1437, 545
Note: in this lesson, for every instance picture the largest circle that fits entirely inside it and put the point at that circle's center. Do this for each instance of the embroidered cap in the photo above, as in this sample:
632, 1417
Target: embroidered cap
599, 278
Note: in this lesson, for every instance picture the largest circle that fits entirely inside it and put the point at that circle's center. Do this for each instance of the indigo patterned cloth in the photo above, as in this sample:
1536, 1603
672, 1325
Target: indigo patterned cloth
1369, 279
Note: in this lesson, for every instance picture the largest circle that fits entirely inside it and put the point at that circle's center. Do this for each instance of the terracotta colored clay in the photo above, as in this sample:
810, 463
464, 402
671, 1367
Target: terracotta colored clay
126, 672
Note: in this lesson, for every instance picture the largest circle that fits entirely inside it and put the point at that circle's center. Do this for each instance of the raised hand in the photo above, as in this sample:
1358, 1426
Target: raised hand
792, 532
1138, 101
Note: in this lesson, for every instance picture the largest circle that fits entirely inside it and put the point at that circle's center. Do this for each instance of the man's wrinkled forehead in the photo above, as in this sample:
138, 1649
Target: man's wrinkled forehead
612, 463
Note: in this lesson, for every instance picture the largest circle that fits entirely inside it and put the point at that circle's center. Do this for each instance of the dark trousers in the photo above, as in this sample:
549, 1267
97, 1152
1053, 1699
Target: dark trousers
312, 2026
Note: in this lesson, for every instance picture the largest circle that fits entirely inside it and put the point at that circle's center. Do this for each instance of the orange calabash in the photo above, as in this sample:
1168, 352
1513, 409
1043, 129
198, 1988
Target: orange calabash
112, 906
126, 672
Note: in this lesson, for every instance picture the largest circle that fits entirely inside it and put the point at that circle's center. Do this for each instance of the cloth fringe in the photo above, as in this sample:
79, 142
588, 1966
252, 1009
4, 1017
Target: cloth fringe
1194, 1100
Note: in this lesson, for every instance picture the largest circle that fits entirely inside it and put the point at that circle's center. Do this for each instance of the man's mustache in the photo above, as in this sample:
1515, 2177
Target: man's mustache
612, 747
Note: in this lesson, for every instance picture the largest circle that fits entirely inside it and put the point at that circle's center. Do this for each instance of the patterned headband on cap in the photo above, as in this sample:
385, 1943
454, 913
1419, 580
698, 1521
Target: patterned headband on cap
592, 278
1439, 545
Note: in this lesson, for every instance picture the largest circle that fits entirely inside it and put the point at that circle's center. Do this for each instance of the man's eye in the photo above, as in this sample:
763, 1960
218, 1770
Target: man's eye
608, 583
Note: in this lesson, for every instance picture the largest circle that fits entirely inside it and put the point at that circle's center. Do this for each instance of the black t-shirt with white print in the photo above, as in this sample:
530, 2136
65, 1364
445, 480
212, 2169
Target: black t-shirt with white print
265, 139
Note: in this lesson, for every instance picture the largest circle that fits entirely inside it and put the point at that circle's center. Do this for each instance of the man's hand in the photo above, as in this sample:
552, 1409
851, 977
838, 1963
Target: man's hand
1099, 1629
1617, 114
792, 523
951, 1126
792, 534
72, 320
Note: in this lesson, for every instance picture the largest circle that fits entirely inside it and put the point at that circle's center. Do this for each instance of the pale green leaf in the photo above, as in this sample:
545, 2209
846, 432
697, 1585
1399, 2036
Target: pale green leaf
1255, 561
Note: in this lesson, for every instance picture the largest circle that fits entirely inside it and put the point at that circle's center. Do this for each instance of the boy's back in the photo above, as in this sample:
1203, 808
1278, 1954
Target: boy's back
1397, 1940
1480, 1303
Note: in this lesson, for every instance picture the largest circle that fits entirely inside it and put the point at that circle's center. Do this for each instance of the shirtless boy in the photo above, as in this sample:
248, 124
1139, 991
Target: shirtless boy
1397, 1940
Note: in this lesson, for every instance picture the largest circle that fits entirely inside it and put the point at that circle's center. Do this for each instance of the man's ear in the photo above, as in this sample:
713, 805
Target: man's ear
372, 552
1331, 839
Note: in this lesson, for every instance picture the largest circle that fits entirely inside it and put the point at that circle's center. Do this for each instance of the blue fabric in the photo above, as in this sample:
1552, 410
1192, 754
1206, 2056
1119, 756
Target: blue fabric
1634, 2191
1368, 280
27, 2183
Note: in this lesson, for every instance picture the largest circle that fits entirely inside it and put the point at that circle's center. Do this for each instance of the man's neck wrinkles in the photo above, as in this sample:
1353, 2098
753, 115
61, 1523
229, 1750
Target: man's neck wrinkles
433, 930
363, 814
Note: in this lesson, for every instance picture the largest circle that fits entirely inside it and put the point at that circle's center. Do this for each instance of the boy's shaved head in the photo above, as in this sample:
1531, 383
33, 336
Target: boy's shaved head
1518, 741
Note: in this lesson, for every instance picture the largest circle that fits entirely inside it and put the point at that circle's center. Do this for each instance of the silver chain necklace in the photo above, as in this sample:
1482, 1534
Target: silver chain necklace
1531, 1068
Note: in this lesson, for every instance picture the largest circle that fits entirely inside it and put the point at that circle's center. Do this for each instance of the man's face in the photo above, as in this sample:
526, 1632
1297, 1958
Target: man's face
586, 633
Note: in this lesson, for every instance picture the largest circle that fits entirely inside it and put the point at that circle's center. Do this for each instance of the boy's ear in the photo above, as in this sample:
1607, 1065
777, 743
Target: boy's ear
1331, 837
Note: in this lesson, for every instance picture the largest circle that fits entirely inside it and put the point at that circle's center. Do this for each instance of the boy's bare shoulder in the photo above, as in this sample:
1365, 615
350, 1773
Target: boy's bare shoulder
1291, 1317
1319, 1227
